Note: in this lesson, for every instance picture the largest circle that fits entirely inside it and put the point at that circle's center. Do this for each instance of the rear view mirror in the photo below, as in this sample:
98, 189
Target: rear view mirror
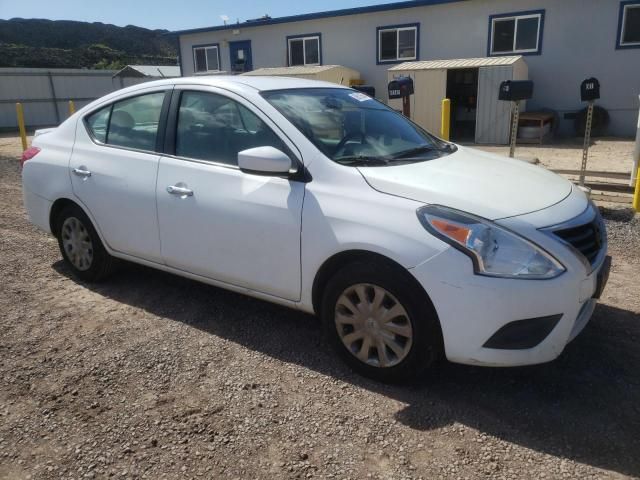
264, 161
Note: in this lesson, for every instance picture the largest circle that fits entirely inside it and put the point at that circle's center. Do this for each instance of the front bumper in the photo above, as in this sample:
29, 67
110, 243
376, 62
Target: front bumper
472, 308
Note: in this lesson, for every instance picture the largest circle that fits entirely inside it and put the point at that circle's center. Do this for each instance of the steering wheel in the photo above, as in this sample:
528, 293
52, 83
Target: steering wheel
351, 136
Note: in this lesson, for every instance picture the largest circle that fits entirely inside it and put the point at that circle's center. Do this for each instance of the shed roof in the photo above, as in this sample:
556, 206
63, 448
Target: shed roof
299, 70
458, 63
163, 71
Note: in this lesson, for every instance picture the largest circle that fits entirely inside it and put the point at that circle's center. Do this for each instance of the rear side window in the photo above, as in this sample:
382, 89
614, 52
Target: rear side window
98, 122
134, 122
131, 123
215, 128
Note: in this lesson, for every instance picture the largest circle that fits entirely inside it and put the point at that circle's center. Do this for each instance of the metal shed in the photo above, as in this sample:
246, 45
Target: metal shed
472, 86
153, 71
328, 73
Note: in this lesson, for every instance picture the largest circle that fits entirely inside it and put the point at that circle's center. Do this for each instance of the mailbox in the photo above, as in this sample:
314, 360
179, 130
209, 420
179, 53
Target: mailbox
590, 90
515, 90
401, 87
368, 89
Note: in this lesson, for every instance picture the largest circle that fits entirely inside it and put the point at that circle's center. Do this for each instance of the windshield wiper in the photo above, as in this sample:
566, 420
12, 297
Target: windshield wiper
362, 160
410, 153
413, 151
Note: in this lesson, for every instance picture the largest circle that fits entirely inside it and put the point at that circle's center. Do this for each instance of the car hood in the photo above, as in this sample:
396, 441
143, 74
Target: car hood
487, 185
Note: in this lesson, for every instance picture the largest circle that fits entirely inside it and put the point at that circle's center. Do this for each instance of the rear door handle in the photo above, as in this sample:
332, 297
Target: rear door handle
182, 191
82, 172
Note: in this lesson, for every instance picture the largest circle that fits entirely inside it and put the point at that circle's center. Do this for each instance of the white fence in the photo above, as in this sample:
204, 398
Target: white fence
45, 93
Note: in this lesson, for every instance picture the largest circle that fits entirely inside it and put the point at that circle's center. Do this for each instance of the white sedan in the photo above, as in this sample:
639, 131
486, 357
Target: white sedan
320, 198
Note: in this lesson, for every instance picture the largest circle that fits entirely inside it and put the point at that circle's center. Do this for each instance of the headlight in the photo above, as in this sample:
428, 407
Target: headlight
494, 250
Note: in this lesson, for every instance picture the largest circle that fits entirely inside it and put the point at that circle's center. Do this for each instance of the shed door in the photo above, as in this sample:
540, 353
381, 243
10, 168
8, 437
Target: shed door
430, 88
493, 116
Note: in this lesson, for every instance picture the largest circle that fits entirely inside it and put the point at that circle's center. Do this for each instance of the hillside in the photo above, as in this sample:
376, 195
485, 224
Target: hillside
70, 44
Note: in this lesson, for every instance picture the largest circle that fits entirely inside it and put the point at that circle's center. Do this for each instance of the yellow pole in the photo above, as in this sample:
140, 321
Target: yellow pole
23, 131
636, 195
72, 107
445, 122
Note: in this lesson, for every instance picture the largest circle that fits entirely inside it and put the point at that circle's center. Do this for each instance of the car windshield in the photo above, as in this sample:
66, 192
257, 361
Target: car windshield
352, 128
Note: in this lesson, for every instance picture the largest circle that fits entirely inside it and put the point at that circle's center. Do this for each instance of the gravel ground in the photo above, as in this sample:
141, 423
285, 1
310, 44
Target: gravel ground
154, 376
623, 228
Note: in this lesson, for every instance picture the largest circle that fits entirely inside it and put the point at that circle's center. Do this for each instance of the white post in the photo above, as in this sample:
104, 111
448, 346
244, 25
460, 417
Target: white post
636, 154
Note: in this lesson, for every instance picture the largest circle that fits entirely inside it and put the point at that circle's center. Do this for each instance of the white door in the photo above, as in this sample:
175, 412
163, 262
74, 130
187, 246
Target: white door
218, 221
430, 87
493, 116
113, 172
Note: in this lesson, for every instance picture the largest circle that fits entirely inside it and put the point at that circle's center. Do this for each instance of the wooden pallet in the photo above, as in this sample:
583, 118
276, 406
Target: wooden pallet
604, 191
595, 173
603, 197
610, 187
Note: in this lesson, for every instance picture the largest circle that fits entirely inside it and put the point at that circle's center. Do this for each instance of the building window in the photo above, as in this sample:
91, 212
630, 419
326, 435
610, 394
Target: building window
397, 43
629, 25
304, 50
206, 58
516, 33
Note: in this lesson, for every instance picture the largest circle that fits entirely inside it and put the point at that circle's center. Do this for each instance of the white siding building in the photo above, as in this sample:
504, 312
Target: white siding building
562, 42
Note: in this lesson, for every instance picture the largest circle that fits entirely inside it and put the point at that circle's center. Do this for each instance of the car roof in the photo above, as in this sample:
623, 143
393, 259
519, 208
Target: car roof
235, 83
260, 83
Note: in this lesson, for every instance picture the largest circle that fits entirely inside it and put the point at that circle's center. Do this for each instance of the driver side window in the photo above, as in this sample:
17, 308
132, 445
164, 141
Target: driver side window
215, 128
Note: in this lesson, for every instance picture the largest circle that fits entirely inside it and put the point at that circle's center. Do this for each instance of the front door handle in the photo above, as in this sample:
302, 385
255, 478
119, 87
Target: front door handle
182, 191
82, 172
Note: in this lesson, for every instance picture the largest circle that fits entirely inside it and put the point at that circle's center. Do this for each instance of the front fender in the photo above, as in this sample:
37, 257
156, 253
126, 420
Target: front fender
360, 219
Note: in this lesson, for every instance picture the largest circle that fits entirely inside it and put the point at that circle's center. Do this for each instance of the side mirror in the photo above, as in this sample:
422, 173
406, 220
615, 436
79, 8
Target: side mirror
264, 161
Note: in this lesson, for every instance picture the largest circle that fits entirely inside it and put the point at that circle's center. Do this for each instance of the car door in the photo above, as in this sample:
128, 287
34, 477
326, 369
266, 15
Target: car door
114, 166
215, 220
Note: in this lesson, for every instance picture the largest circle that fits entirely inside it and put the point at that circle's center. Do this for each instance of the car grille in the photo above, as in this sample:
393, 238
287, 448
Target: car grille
588, 238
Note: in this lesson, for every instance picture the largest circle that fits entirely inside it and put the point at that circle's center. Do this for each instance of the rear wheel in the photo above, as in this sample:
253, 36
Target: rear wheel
81, 246
381, 322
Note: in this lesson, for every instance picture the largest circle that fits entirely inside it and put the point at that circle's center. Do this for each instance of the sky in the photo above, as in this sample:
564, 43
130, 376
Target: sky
170, 15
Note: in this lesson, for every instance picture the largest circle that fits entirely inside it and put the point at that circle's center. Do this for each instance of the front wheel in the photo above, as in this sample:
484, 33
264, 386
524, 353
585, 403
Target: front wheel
381, 322
81, 246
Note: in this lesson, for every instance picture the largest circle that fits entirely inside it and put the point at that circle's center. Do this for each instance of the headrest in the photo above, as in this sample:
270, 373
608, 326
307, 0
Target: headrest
122, 119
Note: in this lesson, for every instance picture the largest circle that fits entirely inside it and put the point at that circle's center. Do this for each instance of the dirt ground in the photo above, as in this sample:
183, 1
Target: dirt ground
605, 154
153, 376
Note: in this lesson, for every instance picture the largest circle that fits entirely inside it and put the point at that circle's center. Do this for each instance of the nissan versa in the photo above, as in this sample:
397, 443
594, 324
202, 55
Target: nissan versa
320, 198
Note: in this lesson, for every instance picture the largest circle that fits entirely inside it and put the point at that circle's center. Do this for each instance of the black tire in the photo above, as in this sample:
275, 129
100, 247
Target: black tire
101, 264
426, 346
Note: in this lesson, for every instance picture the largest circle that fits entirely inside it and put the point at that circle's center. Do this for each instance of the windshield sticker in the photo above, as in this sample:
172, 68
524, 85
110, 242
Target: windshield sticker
361, 97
